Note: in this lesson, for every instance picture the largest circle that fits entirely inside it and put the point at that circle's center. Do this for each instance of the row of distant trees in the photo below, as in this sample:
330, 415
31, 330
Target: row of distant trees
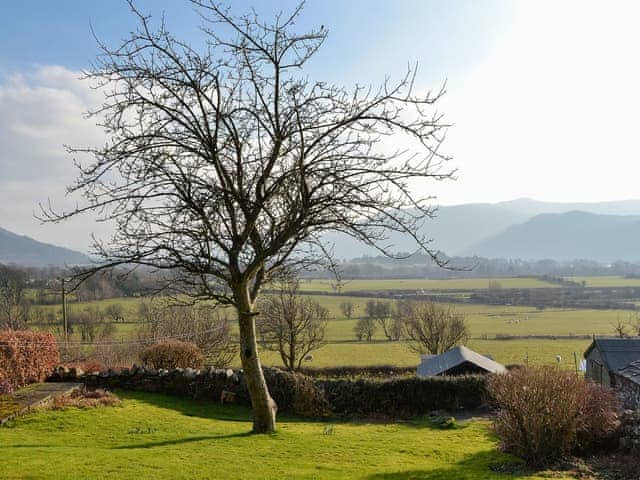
421, 266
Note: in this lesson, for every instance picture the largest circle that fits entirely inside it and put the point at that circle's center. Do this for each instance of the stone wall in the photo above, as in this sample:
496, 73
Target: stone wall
297, 393
628, 392
630, 431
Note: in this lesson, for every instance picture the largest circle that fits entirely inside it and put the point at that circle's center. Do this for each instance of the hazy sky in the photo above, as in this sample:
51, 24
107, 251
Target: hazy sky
544, 96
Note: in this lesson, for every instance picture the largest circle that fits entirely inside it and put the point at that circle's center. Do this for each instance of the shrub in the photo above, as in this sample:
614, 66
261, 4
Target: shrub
545, 413
172, 354
84, 398
27, 357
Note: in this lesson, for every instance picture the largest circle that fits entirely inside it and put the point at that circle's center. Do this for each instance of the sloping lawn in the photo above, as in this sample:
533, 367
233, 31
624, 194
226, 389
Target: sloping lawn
159, 437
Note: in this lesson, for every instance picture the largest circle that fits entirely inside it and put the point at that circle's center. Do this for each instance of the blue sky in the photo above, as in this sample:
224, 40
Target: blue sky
368, 39
543, 95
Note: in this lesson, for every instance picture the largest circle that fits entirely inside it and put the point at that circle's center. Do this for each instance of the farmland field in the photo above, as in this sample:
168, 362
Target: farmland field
607, 281
153, 436
426, 284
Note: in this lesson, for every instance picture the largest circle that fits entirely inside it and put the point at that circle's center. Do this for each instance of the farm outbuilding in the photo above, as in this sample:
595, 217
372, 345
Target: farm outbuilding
458, 361
606, 356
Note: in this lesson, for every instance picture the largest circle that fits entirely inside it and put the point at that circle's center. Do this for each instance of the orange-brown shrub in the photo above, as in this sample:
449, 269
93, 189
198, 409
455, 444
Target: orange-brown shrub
27, 356
84, 398
545, 413
172, 354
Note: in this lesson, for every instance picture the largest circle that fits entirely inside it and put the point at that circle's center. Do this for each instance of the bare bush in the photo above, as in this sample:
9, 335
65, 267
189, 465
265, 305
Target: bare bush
172, 354
545, 413
433, 328
84, 398
206, 327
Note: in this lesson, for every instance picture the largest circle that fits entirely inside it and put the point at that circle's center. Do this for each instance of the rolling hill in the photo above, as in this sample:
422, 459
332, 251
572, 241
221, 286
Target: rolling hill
25, 251
567, 236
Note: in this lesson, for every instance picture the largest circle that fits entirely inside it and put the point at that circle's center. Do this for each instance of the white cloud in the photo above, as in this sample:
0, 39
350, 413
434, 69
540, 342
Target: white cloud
39, 112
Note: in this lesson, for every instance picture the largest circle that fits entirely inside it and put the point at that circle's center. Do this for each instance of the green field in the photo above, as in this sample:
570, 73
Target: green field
607, 281
399, 354
158, 437
485, 323
422, 284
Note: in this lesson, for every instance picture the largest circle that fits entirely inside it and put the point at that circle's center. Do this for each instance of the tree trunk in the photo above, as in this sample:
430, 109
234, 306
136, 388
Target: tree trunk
263, 406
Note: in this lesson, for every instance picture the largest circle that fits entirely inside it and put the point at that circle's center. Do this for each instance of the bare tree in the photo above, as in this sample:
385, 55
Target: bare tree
620, 329
291, 325
381, 312
434, 328
14, 307
365, 329
226, 163
114, 312
347, 309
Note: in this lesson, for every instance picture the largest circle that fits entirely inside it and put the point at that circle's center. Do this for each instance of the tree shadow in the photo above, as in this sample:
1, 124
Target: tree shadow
181, 441
486, 465
208, 409
189, 407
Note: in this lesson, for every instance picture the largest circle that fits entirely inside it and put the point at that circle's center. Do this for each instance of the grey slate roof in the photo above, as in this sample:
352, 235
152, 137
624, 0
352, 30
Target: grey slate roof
439, 364
616, 353
631, 372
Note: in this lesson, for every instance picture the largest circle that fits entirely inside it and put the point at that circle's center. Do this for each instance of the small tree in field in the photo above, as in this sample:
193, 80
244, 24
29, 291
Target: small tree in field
365, 329
291, 325
226, 163
347, 309
433, 328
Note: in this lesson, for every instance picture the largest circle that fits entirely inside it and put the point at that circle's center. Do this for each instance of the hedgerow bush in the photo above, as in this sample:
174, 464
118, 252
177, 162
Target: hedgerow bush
26, 357
172, 354
404, 397
545, 413
297, 393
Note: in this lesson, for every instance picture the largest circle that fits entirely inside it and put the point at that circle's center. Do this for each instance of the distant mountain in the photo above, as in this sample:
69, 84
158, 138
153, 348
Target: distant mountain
567, 236
459, 229
453, 230
531, 208
25, 251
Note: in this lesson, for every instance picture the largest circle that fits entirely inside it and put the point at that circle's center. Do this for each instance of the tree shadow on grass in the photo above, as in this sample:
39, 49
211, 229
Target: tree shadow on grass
486, 465
204, 408
191, 408
181, 441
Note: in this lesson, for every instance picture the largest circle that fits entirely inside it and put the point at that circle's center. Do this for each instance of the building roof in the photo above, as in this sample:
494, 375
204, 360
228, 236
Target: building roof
440, 364
616, 353
631, 372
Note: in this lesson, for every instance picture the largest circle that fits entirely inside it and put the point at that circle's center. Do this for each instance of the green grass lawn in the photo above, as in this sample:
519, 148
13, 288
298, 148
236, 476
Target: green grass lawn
158, 437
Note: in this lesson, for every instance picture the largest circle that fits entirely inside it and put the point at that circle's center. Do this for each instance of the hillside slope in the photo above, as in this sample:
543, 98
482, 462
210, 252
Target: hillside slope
25, 251
567, 236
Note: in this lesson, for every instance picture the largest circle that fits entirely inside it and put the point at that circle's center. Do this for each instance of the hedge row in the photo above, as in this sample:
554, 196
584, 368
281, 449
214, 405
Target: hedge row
404, 397
304, 395
26, 357
352, 371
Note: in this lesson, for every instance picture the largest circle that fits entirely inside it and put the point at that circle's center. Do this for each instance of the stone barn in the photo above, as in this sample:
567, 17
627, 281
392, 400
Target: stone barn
458, 361
605, 356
